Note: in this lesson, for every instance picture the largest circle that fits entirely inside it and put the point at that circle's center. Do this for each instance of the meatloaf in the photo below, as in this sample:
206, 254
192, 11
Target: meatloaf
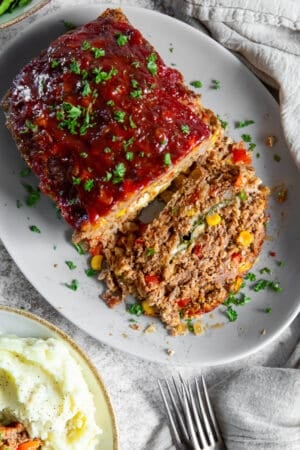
104, 124
186, 261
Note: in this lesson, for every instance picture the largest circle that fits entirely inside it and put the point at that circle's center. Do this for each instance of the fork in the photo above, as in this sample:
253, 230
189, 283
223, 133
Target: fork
192, 421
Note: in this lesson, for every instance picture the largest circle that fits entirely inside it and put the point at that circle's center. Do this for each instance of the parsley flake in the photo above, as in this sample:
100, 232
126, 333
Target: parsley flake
150, 251
216, 84
69, 25
75, 66
54, 63
71, 265
246, 137
167, 159
131, 122
185, 129
90, 272
83, 155
73, 285
25, 172
85, 45
244, 123
196, 84
119, 116
231, 314
277, 158
151, 64
122, 39
119, 173
79, 248
33, 194
76, 180
267, 310
98, 52
223, 123
135, 308
108, 176
129, 156
34, 229
86, 89
88, 185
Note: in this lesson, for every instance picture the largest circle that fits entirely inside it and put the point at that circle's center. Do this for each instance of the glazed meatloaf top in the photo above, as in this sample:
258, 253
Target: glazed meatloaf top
102, 120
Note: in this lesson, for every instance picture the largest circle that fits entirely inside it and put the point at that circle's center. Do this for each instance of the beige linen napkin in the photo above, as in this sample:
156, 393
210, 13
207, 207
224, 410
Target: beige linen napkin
267, 35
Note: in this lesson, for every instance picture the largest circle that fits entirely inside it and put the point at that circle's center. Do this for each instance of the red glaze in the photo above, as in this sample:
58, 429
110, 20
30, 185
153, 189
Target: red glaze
150, 128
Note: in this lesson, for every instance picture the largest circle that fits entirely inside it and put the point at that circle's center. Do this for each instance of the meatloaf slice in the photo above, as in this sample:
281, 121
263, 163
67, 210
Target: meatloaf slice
104, 123
187, 260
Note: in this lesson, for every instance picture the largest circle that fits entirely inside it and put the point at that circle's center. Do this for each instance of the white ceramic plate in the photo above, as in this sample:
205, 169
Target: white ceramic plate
42, 256
23, 324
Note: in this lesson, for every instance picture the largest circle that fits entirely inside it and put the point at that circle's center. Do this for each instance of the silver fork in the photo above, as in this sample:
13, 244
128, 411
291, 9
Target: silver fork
192, 421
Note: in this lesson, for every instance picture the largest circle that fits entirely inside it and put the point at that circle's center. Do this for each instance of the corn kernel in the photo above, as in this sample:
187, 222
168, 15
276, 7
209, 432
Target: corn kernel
213, 219
191, 212
148, 310
182, 328
236, 285
198, 328
121, 212
245, 267
96, 262
245, 238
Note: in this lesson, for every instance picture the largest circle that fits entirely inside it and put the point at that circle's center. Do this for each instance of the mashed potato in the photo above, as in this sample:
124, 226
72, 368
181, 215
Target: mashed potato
42, 387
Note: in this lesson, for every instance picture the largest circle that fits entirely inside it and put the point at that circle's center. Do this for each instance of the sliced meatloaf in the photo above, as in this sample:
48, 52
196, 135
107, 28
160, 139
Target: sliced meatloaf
104, 123
209, 234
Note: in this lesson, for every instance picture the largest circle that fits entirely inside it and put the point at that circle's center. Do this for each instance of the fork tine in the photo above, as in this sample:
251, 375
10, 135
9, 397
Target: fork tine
170, 417
211, 413
197, 419
177, 412
189, 420
207, 425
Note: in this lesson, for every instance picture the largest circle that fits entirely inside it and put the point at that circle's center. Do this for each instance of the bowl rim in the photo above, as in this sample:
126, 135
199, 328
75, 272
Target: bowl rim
25, 14
65, 337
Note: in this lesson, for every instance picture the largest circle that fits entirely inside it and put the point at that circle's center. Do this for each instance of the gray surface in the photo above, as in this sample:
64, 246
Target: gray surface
131, 382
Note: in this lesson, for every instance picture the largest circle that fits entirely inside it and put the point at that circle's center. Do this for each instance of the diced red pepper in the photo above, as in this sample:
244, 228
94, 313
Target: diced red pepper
272, 254
151, 279
139, 241
97, 250
240, 155
183, 302
198, 251
195, 312
236, 257
193, 198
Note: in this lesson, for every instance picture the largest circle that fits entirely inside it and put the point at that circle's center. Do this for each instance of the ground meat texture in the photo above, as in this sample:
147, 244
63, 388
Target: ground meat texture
14, 435
187, 260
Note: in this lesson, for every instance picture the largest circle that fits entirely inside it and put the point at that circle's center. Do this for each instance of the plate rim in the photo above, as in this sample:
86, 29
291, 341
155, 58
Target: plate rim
269, 338
66, 338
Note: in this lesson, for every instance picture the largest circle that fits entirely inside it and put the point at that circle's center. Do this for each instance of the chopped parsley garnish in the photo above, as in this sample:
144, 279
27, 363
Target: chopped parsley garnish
19, 204
244, 123
84, 74
25, 172
131, 122
110, 103
196, 84
83, 155
119, 173
74, 118
246, 137
265, 270
34, 229
250, 276
114, 138
127, 143
137, 93
223, 123
135, 308
98, 52
108, 176
277, 158
167, 159
76, 180
243, 196
252, 146
88, 185
267, 310
75, 66
136, 64
29, 126
240, 300
257, 155
150, 251
79, 249
190, 325
54, 63
151, 64
134, 83
71, 265
107, 150
122, 39
231, 314
264, 284
102, 75
185, 129
90, 272
280, 263
171, 49
129, 156
86, 89
33, 194
73, 285
119, 116
85, 45
216, 84
69, 25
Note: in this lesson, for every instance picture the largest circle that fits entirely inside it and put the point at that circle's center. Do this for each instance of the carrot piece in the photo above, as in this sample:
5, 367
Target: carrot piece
33, 444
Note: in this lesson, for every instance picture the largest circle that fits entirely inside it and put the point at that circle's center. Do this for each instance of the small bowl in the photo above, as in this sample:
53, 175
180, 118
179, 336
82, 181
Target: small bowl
24, 324
20, 13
